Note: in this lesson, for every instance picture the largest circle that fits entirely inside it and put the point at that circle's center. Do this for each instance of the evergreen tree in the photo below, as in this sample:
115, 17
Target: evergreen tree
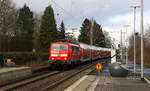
25, 24
62, 31
98, 36
85, 32
48, 30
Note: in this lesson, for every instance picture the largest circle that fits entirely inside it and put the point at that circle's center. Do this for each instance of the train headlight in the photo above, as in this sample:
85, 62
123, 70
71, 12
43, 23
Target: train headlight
65, 58
52, 58
54, 55
64, 55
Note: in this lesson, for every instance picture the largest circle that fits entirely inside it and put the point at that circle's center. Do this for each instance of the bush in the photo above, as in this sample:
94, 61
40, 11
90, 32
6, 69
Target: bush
23, 57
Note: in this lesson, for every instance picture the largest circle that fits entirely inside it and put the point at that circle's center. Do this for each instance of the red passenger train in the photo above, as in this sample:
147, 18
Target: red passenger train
64, 53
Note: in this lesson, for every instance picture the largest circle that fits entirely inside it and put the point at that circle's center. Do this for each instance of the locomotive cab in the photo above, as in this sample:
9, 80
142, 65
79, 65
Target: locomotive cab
64, 53
59, 52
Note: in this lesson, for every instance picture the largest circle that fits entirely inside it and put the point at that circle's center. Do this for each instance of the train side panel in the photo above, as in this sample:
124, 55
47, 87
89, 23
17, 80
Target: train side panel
75, 53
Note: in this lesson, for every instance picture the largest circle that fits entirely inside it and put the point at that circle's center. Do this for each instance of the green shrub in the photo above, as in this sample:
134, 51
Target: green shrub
23, 57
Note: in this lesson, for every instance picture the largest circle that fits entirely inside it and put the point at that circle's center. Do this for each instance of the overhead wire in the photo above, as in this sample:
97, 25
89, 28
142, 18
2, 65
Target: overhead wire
81, 12
62, 9
70, 11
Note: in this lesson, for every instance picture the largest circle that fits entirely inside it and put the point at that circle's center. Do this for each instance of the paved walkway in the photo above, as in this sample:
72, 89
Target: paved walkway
96, 81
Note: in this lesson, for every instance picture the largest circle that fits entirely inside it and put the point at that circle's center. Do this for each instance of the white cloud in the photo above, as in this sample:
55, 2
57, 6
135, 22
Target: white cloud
117, 22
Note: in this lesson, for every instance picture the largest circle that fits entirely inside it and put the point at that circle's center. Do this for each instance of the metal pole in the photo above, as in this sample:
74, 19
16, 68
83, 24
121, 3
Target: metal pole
126, 47
121, 44
135, 6
91, 35
134, 40
123, 47
142, 28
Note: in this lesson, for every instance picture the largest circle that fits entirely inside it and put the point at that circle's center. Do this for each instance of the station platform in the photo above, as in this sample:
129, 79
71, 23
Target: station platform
12, 73
102, 81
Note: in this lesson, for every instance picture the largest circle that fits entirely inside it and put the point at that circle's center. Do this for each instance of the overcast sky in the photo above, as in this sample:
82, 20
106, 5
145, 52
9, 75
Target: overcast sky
111, 14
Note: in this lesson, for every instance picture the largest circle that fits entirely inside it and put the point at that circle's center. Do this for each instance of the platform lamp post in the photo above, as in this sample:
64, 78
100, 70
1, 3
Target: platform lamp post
142, 29
135, 7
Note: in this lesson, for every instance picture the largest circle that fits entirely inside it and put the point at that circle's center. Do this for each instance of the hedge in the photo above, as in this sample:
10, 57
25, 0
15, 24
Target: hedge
23, 57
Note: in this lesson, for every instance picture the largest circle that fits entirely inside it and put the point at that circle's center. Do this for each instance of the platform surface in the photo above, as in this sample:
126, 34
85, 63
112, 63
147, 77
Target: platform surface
102, 81
8, 69
12, 73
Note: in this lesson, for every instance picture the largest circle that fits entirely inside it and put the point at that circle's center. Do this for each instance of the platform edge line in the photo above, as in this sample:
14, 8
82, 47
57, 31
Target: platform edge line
76, 83
146, 80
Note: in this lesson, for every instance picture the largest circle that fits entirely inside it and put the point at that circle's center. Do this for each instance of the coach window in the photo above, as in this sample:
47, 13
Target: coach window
75, 48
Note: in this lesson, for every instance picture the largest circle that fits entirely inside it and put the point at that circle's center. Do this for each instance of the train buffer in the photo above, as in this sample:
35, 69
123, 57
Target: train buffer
104, 82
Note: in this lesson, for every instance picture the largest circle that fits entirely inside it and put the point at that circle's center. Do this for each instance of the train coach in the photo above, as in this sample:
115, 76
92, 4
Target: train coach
64, 53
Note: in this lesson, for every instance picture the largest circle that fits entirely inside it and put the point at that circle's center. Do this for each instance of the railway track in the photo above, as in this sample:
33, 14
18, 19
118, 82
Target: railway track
36, 72
32, 79
47, 81
56, 83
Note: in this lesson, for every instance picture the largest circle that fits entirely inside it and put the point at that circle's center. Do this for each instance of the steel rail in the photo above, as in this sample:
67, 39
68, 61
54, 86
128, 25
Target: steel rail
29, 81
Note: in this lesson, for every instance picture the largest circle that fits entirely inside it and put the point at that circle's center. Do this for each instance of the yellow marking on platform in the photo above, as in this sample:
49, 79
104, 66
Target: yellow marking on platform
99, 66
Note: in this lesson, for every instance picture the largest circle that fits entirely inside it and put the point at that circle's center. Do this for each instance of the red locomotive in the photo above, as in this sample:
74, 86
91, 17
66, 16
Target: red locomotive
64, 53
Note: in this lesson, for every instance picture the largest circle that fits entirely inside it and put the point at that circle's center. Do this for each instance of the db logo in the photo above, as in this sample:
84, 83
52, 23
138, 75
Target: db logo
99, 66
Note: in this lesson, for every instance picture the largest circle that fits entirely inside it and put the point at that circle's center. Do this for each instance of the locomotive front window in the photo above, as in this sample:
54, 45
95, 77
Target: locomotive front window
59, 47
63, 47
55, 47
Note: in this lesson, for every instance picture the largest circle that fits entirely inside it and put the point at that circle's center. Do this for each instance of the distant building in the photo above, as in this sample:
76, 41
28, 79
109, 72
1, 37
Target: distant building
73, 31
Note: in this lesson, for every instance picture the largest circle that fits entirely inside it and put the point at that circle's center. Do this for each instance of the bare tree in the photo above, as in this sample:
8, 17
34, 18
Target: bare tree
37, 23
8, 15
107, 39
138, 45
147, 36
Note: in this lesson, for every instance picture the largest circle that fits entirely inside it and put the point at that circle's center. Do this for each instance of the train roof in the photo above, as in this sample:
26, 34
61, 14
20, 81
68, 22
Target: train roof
94, 47
73, 44
86, 46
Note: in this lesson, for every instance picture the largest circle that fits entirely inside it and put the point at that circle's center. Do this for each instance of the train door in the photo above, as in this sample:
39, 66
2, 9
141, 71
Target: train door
75, 53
